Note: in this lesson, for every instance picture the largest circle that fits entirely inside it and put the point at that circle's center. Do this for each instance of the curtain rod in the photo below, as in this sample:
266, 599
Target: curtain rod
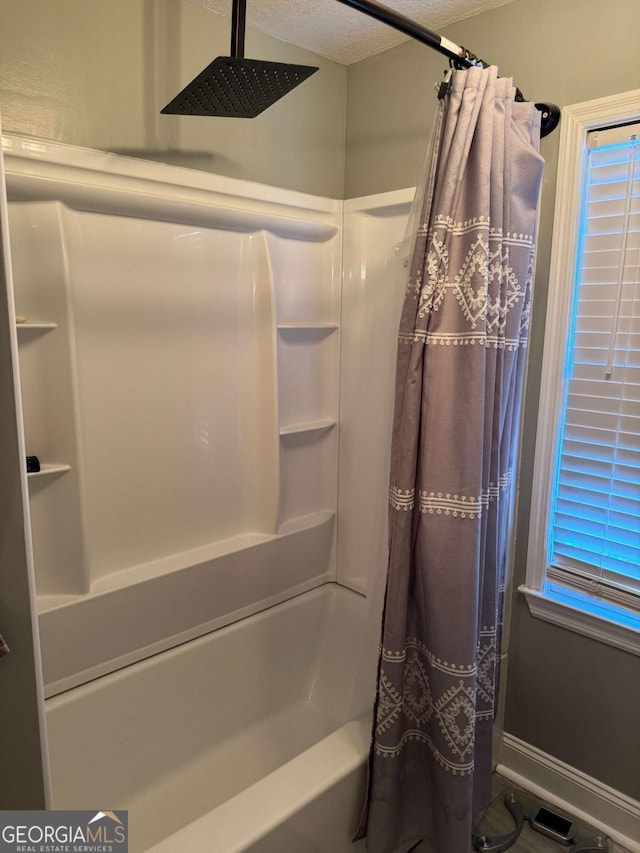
460, 57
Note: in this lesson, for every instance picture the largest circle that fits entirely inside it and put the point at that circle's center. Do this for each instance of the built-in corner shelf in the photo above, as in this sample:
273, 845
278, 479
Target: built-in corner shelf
306, 330
36, 328
328, 326
27, 330
309, 428
48, 470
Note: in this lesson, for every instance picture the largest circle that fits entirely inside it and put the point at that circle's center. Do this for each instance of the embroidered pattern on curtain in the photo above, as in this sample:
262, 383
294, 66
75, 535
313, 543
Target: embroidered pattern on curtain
461, 352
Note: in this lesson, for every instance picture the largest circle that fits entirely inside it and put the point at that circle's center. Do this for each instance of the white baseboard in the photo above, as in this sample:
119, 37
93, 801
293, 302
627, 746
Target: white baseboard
615, 814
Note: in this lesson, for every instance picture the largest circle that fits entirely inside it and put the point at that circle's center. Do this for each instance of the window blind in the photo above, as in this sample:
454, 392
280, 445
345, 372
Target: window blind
595, 522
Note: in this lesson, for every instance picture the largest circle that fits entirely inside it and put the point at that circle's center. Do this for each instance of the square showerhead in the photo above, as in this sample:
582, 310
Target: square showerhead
238, 87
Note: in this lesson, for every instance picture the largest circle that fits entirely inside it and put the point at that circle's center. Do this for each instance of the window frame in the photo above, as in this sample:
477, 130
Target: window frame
548, 598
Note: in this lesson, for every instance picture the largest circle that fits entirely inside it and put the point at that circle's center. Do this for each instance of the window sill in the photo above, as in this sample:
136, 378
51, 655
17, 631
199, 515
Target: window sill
585, 615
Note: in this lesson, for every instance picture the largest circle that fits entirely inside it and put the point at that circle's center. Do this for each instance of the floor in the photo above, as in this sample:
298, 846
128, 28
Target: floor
498, 821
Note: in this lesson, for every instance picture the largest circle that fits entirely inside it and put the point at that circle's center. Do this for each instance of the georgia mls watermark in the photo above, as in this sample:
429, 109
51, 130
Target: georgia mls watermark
64, 832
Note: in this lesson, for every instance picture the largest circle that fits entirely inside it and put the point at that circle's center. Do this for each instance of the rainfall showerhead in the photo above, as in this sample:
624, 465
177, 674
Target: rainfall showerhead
238, 88
235, 87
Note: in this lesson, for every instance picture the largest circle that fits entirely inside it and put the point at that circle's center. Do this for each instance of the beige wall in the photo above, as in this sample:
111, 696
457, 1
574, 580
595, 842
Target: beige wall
568, 695
92, 73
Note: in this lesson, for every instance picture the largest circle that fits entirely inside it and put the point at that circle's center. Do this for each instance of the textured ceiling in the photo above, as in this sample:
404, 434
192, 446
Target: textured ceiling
341, 33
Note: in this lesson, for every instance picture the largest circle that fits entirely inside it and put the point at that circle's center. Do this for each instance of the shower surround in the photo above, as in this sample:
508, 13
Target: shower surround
206, 371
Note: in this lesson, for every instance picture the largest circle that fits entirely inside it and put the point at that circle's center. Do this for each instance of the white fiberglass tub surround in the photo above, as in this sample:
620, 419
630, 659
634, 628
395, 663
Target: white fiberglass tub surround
196, 351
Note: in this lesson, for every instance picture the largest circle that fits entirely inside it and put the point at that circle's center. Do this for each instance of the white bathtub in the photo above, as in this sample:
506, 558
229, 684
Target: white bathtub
240, 740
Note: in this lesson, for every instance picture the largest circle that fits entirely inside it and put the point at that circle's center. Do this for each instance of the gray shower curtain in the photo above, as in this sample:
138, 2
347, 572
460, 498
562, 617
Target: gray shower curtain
461, 359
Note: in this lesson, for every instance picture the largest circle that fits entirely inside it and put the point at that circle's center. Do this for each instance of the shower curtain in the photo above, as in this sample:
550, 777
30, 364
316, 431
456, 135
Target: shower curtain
461, 358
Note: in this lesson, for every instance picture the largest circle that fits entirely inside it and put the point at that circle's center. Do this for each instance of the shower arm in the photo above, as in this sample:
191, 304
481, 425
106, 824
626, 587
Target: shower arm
458, 56
238, 26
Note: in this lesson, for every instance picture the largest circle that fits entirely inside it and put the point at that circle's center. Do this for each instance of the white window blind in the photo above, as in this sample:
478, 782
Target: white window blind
595, 523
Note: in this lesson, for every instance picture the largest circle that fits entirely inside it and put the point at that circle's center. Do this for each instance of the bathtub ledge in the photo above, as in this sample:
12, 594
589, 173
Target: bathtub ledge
181, 601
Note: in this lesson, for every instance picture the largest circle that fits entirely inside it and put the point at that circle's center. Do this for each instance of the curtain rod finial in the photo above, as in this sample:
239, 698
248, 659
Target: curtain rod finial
550, 118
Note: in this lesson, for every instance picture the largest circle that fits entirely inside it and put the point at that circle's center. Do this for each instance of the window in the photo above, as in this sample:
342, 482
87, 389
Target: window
584, 550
